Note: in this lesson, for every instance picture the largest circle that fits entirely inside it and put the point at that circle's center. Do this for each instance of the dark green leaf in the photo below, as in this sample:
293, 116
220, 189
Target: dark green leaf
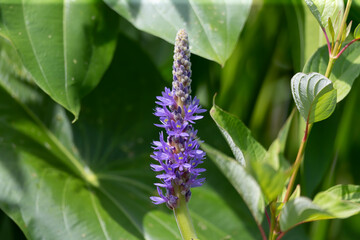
213, 26
66, 46
314, 96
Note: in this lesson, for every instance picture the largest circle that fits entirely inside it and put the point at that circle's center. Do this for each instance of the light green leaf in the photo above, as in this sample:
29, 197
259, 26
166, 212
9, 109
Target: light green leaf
43, 157
357, 32
346, 68
340, 201
325, 9
301, 210
314, 96
213, 26
272, 181
65, 45
348, 29
244, 147
242, 181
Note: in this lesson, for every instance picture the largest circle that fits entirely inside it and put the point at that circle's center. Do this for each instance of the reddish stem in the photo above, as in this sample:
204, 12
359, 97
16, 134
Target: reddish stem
347, 45
262, 232
327, 40
280, 236
268, 218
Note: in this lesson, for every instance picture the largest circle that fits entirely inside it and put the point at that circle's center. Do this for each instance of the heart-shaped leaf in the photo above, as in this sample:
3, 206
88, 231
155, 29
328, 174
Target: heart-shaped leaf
213, 26
314, 96
340, 201
66, 46
92, 180
346, 68
323, 10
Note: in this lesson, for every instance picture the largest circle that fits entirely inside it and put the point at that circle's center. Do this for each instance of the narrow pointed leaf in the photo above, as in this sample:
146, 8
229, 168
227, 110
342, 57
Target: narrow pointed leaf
242, 181
213, 26
346, 68
348, 29
314, 96
323, 10
244, 147
331, 29
65, 45
357, 32
340, 201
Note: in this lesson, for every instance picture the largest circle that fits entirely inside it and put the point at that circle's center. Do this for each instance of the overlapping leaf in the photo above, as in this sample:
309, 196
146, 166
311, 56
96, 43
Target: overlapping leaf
213, 26
65, 45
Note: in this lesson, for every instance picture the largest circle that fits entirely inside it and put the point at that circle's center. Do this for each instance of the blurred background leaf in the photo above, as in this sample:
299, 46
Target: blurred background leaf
66, 46
213, 26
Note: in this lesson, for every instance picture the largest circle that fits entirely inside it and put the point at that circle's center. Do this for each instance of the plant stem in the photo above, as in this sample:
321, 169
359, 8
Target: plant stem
272, 232
297, 162
342, 50
183, 219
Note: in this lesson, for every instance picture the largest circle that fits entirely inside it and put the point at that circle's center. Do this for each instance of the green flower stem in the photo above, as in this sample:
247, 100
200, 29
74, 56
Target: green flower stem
183, 220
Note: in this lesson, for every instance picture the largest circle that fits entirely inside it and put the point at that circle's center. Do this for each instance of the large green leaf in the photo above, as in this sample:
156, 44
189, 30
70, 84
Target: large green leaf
242, 181
325, 9
92, 180
340, 201
213, 26
244, 147
250, 154
346, 68
314, 96
65, 45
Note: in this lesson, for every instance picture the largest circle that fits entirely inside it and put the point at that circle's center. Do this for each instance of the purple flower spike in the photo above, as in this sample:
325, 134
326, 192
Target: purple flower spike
178, 155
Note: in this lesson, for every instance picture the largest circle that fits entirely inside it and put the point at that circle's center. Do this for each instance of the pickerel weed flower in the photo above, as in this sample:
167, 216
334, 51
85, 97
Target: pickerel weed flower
178, 155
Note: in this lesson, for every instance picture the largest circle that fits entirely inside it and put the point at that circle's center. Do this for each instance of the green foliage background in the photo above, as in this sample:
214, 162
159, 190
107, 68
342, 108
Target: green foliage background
254, 85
